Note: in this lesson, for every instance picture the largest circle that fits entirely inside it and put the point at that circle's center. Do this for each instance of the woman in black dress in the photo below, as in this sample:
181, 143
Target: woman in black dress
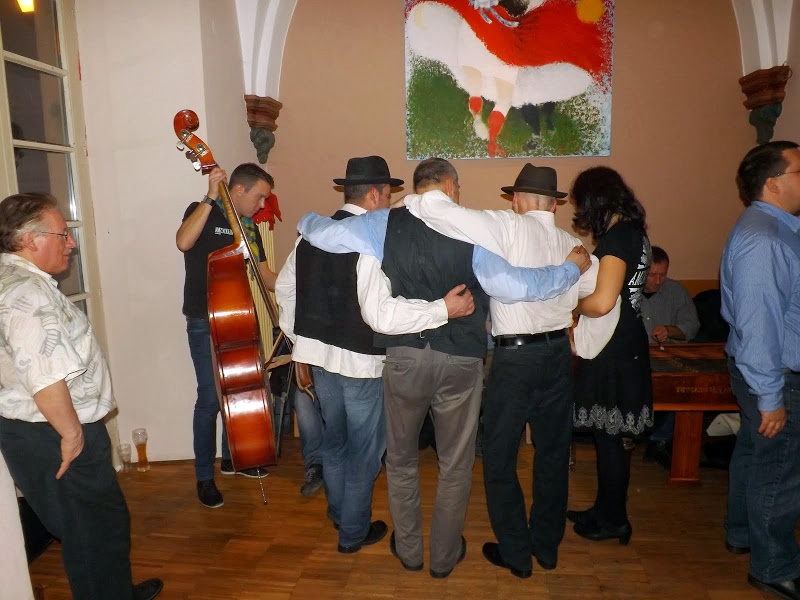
613, 396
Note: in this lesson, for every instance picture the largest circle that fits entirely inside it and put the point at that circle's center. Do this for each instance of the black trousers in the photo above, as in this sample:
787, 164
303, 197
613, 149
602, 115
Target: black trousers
85, 509
613, 477
528, 384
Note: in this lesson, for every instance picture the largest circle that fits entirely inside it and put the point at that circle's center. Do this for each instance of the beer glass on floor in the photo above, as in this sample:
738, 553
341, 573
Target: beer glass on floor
140, 441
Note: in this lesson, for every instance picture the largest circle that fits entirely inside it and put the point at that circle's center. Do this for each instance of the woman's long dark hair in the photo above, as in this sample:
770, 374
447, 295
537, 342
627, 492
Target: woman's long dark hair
599, 194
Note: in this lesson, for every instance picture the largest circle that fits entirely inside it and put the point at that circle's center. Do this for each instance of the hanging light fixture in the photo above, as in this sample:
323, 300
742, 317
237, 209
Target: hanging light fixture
25, 6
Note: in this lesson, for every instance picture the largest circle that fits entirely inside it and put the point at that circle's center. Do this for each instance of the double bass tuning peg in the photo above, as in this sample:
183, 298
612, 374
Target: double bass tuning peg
191, 156
180, 146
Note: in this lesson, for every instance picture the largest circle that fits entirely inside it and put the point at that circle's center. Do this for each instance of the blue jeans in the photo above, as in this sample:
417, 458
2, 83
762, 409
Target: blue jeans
354, 440
206, 407
664, 427
309, 422
764, 490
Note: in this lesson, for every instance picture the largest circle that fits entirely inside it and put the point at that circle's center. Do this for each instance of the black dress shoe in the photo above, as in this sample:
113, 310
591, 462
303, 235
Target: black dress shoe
147, 590
660, 452
736, 549
377, 529
461, 556
491, 552
783, 589
547, 565
597, 532
581, 516
406, 566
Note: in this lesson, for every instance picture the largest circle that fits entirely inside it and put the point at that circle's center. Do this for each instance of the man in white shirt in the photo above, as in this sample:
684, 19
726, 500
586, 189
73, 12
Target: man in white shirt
318, 294
56, 389
531, 379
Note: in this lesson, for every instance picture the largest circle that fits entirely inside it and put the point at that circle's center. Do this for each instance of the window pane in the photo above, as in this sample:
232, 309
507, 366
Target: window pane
36, 101
48, 172
71, 281
34, 34
81, 304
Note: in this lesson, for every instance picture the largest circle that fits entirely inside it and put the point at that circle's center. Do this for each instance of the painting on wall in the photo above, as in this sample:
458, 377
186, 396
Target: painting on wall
508, 78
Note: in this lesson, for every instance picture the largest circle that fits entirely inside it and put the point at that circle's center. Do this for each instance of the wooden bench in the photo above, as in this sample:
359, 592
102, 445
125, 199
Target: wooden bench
690, 379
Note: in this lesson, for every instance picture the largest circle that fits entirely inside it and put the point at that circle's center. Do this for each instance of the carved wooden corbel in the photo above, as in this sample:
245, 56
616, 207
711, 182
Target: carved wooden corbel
765, 90
261, 115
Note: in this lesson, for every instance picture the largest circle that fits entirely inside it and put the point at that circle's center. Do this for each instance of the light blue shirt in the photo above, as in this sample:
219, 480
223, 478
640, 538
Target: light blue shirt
760, 285
366, 234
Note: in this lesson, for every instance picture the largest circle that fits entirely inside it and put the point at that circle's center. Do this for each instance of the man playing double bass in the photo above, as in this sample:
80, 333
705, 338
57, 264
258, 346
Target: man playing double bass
204, 230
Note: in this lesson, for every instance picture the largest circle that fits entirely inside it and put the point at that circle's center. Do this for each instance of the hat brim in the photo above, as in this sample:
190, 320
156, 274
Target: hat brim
370, 181
510, 189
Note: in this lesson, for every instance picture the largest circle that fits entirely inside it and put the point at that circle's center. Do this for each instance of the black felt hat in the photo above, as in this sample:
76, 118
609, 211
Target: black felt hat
536, 180
367, 169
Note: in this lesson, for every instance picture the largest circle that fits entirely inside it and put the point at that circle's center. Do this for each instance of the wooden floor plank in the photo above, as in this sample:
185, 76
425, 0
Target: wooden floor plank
287, 549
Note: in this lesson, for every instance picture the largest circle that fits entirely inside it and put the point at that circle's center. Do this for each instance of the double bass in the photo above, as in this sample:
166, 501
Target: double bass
239, 363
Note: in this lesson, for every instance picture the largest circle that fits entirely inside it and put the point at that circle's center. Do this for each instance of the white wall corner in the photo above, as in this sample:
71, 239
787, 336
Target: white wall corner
764, 32
263, 26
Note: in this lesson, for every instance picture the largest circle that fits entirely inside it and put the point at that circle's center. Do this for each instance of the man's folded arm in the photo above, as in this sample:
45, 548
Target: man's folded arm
509, 284
393, 315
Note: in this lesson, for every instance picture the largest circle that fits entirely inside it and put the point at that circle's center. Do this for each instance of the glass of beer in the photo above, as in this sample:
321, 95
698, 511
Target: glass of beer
125, 456
140, 441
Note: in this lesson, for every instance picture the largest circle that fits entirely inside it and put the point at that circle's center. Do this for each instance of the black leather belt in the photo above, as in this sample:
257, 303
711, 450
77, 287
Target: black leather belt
528, 338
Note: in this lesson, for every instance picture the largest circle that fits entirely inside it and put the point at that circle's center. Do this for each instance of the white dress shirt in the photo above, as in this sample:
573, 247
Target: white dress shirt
529, 240
379, 309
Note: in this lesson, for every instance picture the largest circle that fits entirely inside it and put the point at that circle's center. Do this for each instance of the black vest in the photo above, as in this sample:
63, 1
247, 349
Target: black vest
327, 298
424, 264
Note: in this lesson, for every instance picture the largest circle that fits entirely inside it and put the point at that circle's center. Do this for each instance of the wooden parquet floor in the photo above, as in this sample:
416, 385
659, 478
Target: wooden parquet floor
287, 549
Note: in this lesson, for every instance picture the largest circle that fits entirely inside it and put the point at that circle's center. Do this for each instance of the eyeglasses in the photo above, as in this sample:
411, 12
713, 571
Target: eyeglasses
786, 173
63, 235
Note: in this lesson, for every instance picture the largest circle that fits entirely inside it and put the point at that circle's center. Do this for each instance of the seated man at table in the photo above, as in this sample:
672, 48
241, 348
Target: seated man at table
669, 316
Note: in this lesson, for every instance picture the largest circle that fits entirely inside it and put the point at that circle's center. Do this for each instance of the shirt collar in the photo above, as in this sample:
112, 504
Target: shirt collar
546, 216
432, 194
354, 209
15, 260
788, 219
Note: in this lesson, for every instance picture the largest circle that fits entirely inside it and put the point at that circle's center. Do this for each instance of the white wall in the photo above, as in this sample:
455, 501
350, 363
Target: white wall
788, 125
141, 62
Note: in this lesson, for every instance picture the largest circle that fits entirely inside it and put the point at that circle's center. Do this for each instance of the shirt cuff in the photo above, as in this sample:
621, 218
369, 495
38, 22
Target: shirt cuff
572, 270
770, 402
441, 311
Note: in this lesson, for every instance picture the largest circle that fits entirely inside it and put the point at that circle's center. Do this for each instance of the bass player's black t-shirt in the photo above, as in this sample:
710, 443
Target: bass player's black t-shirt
216, 234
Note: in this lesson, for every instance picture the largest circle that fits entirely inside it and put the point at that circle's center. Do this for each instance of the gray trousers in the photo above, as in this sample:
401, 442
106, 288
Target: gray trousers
416, 380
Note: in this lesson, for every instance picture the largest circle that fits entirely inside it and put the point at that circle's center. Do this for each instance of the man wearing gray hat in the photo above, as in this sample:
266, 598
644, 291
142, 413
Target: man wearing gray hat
530, 381
318, 294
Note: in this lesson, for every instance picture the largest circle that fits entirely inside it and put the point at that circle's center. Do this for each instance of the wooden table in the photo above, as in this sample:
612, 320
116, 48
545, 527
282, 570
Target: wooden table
690, 379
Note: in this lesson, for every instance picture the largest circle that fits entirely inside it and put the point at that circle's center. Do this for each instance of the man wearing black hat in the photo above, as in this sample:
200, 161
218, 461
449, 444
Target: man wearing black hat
531, 379
318, 294
439, 369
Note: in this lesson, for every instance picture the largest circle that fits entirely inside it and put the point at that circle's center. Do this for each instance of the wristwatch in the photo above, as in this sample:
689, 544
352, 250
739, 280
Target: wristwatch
209, 201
